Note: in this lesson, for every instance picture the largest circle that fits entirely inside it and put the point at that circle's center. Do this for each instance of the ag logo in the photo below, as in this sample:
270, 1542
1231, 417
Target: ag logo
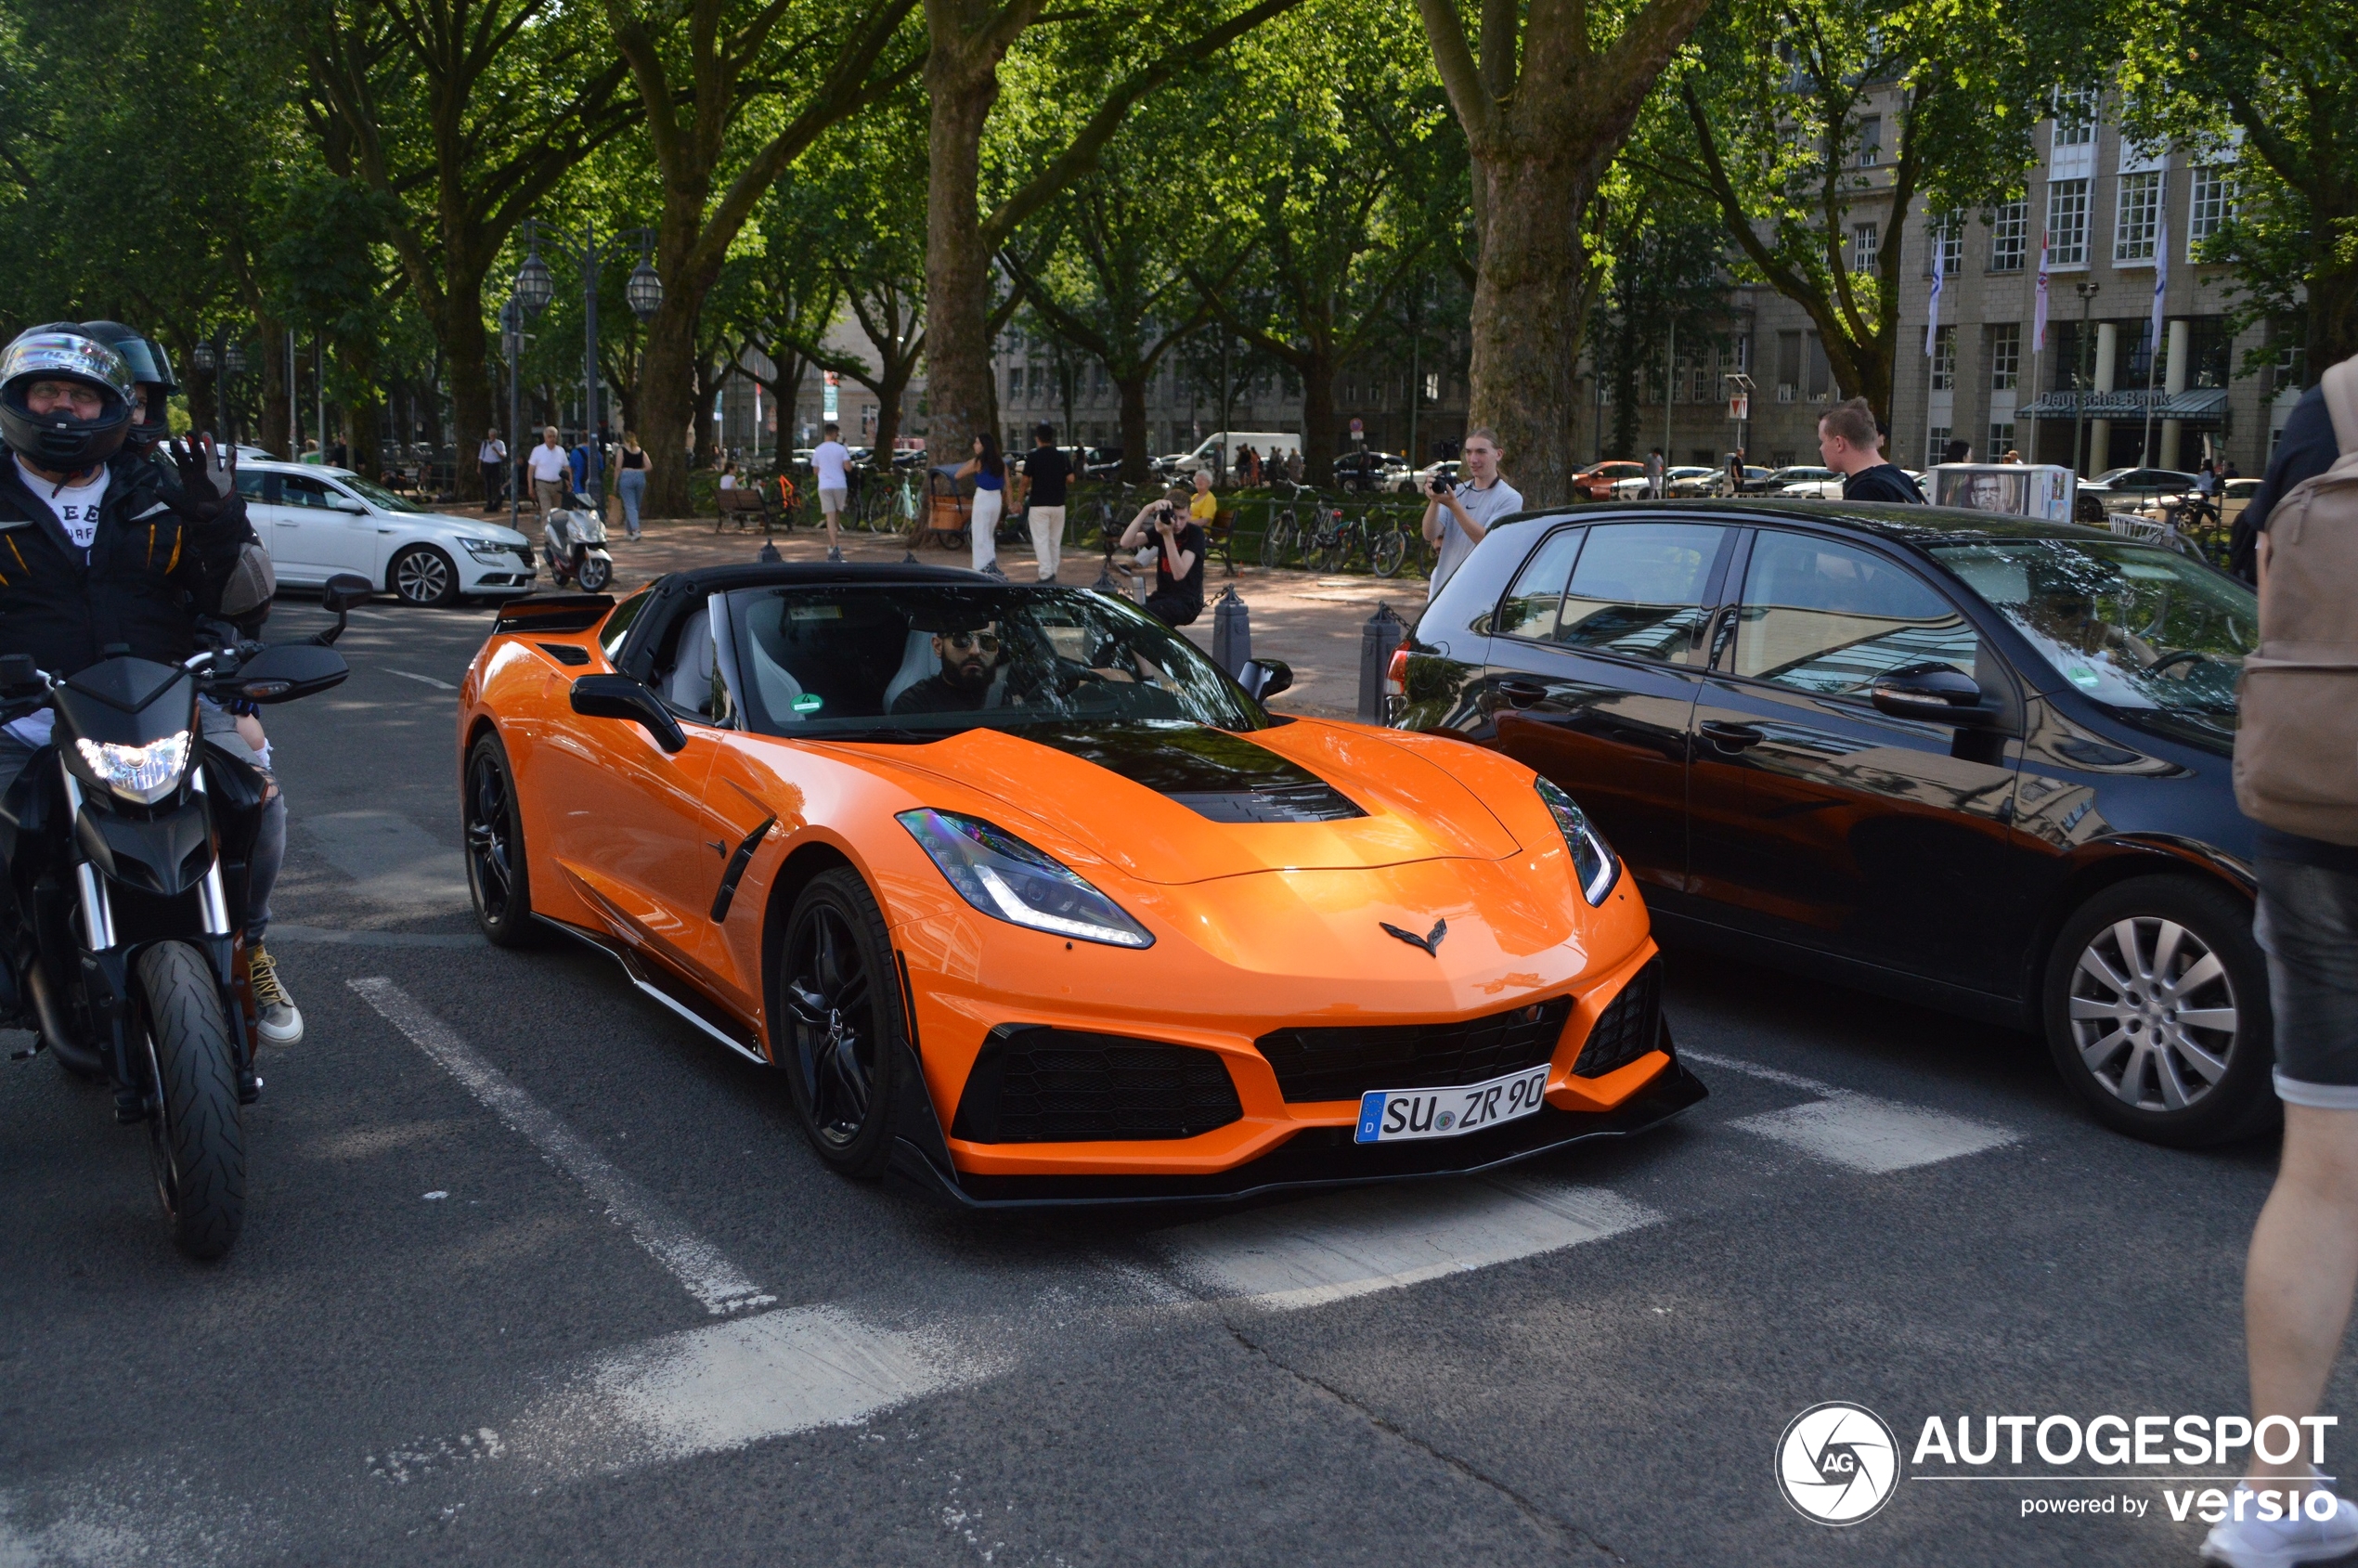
1837, 1463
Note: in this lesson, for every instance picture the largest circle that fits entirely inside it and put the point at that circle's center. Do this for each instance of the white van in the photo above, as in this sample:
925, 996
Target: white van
1225, 445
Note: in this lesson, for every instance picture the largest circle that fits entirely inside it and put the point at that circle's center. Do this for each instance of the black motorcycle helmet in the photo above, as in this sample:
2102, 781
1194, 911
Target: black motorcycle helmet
59, 441
151, 369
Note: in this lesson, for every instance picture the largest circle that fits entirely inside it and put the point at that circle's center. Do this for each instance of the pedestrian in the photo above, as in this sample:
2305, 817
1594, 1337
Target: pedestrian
587, 467
1956, 451
1176, 598
1248, 467
549, 470
2012, 456
988, 471
1203, 507
1849, 444
728, 472
1657, 474
2299, 1278
338, 454
2206, 492
1048, 470
311, 450
1293, 465
1456, 517
828, 459
492, 455
631, 481
1735, 474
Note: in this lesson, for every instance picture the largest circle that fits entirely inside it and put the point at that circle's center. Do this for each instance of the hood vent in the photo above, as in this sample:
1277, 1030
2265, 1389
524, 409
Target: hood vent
1318, 802
1212, 772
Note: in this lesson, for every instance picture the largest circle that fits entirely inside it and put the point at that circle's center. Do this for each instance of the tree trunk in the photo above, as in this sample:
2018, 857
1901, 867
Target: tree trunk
1320, 439
367, 414
2333, 294
959, 393
890, 389
1132, 389
1526, 322
272, 352
473, 410
666, 404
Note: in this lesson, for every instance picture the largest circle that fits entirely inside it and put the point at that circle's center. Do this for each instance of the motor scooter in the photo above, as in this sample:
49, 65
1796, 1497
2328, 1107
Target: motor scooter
573, 538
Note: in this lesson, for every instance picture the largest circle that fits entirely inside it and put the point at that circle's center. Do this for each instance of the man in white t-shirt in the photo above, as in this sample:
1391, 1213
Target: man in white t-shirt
492, 456
551, 469
1456, 519
834, 487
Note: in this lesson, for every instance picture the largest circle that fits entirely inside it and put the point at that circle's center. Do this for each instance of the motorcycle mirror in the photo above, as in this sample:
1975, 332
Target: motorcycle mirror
343, 592
17, 671
284, 671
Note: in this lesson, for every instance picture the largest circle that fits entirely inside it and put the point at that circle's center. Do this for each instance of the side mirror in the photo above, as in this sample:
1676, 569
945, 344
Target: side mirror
1934, 693
619, 696
1263, 678
285, 671
346, 505
341, 592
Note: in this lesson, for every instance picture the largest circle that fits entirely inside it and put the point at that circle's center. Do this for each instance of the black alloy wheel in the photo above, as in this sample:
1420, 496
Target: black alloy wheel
423, 576
838, 1009
2156, 1007
498, 880
196, 1133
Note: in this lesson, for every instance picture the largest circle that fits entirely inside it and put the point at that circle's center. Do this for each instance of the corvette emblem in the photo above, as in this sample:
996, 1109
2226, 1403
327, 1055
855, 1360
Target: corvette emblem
1430, 942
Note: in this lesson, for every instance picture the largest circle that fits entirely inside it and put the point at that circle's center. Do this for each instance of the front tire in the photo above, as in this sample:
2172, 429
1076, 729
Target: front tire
2156, 1005
837, 1015
498, 877
423, 576
196, 1135
595, 575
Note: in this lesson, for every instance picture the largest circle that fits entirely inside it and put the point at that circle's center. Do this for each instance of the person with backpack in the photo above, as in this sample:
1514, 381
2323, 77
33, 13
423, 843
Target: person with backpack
2297, 777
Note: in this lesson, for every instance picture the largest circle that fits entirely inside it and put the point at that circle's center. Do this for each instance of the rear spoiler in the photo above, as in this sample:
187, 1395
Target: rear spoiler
539, 613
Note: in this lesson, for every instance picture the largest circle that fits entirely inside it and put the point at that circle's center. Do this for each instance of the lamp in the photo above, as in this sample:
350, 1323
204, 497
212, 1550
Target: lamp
644, 290
203, 357
533, 286
233, 358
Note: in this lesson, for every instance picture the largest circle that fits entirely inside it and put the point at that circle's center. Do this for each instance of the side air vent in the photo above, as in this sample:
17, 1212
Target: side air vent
566, 652
1034, 1085
1628, 1027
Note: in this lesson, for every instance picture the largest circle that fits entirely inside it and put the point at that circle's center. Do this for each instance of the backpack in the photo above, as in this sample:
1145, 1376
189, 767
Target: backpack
2296, 735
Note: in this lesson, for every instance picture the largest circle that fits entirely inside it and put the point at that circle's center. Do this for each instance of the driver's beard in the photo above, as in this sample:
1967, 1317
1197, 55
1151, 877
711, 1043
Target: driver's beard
970, 676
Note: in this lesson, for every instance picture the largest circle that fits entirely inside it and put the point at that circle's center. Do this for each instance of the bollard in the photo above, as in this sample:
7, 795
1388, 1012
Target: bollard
1379, 636
1105, 583
769, 556
1231, 632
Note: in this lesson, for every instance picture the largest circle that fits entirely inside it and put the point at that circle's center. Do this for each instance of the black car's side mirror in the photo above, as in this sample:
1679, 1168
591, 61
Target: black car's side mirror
619, 696
1934, 693
1263, 678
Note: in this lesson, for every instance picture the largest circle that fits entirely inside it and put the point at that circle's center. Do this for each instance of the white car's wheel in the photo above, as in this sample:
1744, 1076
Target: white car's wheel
423, 576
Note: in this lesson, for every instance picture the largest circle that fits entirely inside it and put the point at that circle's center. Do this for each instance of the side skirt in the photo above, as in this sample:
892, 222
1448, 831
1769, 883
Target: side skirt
671, 991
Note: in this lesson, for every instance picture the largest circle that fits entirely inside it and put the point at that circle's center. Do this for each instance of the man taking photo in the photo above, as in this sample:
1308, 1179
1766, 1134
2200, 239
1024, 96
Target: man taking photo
1456, 517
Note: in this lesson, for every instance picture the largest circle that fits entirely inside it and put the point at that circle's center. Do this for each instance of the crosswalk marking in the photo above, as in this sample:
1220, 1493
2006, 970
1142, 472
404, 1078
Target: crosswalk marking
1352, 1244
1876, 1137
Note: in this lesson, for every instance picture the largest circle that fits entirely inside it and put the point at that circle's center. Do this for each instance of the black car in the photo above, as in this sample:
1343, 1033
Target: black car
1365, 468
1978, 762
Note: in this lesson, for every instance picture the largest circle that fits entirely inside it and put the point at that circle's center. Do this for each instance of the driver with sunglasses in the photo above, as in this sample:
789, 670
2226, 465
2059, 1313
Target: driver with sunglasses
969, 662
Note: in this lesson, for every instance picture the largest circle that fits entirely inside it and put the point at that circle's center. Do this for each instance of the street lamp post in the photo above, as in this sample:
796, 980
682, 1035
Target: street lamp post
512, 340
2079, 376
536, 288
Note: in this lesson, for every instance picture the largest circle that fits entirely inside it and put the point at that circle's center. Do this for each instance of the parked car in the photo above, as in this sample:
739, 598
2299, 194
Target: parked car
1978, 763
316, 522
1755, 481
1369, 469
1697, 481
1633, 487
1596, 482
1416, 482
2233, 497
1779, 480
2125, 489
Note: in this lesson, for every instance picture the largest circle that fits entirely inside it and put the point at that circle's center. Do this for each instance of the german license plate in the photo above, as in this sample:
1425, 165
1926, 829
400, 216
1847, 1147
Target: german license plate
1387, 1116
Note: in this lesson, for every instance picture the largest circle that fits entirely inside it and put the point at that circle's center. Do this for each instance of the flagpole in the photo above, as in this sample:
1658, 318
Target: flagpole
2153, 329
2037, 337
1932, 342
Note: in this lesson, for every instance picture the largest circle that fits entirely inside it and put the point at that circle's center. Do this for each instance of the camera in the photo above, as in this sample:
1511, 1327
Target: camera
1437, 485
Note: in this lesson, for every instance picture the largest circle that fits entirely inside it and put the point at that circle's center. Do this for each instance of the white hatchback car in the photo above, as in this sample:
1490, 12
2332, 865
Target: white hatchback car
316, 522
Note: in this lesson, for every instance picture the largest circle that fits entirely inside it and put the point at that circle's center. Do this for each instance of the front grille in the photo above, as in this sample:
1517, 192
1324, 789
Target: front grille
1628, 1027
1041, 1085
1271, 803
1342, 1063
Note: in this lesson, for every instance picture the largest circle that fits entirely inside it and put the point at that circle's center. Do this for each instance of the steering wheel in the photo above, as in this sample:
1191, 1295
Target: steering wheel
2183, 655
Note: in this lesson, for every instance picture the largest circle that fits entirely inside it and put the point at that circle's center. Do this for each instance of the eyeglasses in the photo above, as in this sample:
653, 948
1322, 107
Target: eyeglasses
983, 642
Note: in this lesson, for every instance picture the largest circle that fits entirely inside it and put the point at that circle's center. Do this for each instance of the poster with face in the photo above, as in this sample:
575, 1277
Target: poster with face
2014, 489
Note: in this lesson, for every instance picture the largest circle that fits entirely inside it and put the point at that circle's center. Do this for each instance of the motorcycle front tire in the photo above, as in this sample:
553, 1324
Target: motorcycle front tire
596, 572
196, 1132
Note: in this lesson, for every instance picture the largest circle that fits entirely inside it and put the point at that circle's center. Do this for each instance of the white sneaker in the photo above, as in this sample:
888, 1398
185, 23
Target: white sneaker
278, 1021
2252, 1542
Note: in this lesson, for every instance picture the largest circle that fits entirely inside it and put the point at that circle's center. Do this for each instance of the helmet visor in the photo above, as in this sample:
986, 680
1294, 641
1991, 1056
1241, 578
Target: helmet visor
45, 354
145, 357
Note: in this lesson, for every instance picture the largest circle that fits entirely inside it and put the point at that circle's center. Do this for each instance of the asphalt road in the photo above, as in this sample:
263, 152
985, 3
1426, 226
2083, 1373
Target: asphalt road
496, 1197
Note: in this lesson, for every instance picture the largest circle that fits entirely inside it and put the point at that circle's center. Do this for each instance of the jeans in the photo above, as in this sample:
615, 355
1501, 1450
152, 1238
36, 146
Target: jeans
632, 485
1047, 538
983, 523
493, 494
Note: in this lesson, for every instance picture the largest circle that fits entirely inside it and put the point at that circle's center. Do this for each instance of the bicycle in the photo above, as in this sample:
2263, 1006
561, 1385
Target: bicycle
1331, 539
1283, 532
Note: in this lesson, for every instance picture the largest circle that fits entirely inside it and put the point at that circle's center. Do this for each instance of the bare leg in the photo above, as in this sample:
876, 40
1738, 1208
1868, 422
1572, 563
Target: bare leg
2302, 1272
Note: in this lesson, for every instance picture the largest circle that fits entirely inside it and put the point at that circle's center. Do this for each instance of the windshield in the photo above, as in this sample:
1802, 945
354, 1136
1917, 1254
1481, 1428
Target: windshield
2135, 627
377, 495
907, 662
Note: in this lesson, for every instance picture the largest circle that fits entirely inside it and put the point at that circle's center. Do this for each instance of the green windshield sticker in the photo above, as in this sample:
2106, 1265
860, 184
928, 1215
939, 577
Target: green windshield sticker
806, 703
2080, 675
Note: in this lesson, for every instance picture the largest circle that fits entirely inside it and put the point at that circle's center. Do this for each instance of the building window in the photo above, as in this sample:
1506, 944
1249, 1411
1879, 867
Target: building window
1936, 437
1863, 244
1944, 360
2005, 357
2009, 236
1870, 141
1944, 244
2210, 205
2002, 440
2075, 118
2067, 223
2137, 216
1014, 383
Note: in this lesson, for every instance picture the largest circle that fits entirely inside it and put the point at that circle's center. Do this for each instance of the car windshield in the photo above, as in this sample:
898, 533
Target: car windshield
909, 662
377, 495
2137, 628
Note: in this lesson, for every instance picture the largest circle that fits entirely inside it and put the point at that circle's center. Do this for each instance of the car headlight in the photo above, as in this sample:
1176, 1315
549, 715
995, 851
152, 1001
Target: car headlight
1009, 880
145, 773
490, 551
1593, 862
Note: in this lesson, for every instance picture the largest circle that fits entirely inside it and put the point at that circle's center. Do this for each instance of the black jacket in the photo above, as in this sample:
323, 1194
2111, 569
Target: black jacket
148, 573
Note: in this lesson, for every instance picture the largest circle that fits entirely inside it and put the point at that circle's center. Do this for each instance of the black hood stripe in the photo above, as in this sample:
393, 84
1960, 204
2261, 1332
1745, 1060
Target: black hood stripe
1212, 772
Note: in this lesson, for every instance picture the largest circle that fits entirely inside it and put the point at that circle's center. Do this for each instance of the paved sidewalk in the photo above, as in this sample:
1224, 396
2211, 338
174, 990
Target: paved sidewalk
1309, 621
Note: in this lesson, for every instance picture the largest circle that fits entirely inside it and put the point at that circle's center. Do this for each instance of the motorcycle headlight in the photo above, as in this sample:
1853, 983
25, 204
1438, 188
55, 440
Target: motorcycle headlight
145, 773
1009, 880
1593, 862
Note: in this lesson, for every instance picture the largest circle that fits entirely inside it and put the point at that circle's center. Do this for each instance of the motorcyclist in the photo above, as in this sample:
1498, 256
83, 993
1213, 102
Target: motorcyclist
97, 555
187, 471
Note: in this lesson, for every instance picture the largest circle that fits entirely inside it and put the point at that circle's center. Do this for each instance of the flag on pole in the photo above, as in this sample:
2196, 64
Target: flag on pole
2161, 279
1932, 321
2038, 310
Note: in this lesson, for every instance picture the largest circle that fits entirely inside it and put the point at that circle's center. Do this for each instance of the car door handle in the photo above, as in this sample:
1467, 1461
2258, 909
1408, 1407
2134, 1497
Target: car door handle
1519, 691
1730, 737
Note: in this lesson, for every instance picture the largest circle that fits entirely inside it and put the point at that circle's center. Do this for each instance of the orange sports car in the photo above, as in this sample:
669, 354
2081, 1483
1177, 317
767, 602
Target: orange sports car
1033, 903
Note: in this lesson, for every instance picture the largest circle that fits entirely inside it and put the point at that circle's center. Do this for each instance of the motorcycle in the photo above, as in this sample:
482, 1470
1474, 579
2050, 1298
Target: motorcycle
127, 841
573, 538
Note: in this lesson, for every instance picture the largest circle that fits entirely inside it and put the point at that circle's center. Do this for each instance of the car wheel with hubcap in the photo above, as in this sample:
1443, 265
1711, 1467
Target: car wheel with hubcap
423, 576
2156, 1007
838, 1017
499, 881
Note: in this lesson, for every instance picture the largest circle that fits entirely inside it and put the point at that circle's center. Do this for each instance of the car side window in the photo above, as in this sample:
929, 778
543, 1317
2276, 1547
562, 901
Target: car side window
618, 625
262, 487
296, 490
1531, 606
1829, 618
1639, 588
